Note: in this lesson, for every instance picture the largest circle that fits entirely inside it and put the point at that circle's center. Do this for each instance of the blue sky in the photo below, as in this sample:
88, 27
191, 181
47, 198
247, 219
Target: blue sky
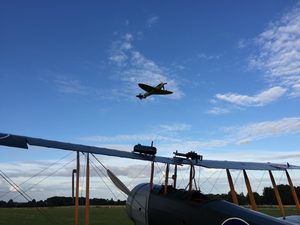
69, 71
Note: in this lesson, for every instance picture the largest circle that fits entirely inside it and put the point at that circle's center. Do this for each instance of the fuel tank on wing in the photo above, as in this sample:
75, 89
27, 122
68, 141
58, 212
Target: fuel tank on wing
180, 207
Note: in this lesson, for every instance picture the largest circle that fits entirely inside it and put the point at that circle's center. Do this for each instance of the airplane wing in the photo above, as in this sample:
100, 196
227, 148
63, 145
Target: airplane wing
146, 87
161, 92
17, 141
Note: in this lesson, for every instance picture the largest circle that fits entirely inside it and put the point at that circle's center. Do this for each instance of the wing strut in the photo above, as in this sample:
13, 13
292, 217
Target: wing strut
294, 194
250, 193
232, 190
277, 195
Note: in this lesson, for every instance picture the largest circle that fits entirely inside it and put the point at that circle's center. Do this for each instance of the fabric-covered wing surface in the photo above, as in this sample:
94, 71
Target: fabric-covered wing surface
23, 142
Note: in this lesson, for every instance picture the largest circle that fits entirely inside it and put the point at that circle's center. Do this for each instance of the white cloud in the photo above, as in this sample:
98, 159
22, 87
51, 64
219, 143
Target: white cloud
120, 49
137, 68
175, 127
151, 21
266, 129
261, 99
69, 86
218, 111
242, 43
279, 51
277, 54
209, 57
129, 138
194, 145
170, 140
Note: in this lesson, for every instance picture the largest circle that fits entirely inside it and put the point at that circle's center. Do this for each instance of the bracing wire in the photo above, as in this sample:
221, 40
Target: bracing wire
37, 174
82, 179
98, 171
141, 205
182, 177
216, 181
26, 196
260, 182
199, 176
281, 177
134, 178
28, 189
161, 172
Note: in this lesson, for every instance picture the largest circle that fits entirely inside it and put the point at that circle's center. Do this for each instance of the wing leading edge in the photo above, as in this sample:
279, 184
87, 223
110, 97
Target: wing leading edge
17, 141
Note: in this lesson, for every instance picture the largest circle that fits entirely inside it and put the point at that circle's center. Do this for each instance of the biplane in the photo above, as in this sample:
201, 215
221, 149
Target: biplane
153, 90
154, 204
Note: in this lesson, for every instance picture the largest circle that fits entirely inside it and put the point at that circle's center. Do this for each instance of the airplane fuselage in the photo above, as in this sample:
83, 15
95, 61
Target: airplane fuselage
178, 207
153, 90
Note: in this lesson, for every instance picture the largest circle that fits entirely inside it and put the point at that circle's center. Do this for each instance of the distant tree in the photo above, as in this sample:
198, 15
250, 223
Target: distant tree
286, 195
242, 199
2, 204
10, 203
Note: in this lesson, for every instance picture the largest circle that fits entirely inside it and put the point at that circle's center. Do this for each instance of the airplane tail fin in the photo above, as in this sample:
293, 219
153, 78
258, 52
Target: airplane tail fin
140, 96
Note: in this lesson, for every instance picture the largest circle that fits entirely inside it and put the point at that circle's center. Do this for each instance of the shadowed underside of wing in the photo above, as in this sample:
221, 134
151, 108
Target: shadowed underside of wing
161, 92
146, 87
153, 90
23, 142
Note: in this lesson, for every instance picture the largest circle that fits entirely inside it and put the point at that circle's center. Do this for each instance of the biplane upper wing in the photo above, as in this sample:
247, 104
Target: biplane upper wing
23, 142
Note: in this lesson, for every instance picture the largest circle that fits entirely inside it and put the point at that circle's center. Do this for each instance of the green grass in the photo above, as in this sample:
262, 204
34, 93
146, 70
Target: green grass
274, 210
98, 215
63, 216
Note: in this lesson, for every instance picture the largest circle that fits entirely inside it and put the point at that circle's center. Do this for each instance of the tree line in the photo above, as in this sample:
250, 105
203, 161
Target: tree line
267, 198
59, 201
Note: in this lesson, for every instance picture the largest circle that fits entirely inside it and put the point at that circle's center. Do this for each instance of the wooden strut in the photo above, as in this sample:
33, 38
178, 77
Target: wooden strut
294, 194
175, 176
232, 190
191, 178
166, 179
73, 172
87, 194
277, 195
250, 193
151, 176
77, 188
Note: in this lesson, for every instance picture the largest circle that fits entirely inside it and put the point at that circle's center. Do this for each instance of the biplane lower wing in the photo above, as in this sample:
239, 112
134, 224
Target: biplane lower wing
17, 141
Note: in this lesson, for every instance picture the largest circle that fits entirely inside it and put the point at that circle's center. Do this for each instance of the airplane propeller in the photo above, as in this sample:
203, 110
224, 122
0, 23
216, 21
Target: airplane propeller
119, 184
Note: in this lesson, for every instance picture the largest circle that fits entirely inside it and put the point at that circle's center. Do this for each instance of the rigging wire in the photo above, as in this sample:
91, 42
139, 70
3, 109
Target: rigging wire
139, 172
161, 172
182, 177
199, 176
281, 177
26, 196
237, 178
82, 178
216, 182
141, 205
97, 170
260, 182
37, 174
28, 189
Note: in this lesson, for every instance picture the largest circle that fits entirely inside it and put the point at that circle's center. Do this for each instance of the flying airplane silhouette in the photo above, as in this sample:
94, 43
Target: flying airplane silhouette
151, 90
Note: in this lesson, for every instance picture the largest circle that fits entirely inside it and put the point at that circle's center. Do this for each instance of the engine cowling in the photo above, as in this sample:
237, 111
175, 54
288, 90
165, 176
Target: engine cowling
137, 204
181, 207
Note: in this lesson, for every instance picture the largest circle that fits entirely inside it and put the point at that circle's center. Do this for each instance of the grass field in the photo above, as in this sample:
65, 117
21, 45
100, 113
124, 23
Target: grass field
98, 215
63, 216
